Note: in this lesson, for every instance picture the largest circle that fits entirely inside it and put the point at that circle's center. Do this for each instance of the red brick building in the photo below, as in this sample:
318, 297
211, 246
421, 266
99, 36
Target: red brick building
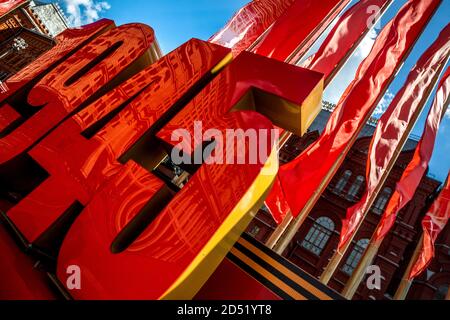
318, 237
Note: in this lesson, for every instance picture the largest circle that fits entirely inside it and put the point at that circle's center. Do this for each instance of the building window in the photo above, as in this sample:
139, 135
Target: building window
355, 188
355, 256
254, 231
382, 201
318, 236
441, 292
342, 182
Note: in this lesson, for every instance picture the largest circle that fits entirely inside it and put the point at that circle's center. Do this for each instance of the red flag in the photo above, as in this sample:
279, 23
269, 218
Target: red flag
345, 36
307, 176
298, 28
433, 224
276, 202
393, 127
340, 43
415, 170
249, 23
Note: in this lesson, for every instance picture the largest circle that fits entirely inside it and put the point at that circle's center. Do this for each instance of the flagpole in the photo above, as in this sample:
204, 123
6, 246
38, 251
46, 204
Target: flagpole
281, 228
337, 256
405, 284
298, 54
278, 232
358, 274
371, 251
285, 232
285, 238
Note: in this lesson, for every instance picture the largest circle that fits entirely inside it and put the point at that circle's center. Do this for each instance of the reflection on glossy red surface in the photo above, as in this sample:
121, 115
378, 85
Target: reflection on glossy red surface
298, 28
82, 76
78, 164
247, 72
67, 42
149, 266
19, 85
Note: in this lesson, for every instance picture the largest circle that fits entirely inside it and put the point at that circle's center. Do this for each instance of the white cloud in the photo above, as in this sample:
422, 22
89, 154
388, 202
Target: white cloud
82, 12
347, 73
384, 104
366, 44
447, 114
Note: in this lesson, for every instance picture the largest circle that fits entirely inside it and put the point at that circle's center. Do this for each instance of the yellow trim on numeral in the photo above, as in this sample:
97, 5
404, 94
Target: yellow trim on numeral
212, 254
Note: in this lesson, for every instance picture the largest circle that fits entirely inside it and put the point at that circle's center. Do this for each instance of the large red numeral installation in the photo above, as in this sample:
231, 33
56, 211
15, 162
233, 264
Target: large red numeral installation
87, 74
80, 155
167, 243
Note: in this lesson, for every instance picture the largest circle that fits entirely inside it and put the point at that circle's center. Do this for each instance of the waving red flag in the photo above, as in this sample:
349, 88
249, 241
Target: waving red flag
395, 124
342, 40
305, 178
415, 170
348, 32
249, 23
433, 224
298, 28
276, 202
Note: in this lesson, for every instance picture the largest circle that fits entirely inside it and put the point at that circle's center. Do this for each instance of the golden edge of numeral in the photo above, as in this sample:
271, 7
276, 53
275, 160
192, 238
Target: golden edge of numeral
204, 264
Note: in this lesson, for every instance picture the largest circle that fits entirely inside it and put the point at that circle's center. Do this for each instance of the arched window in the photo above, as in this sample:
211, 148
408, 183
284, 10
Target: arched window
354, 189
342, 182
382, 201
355, 256
318, 236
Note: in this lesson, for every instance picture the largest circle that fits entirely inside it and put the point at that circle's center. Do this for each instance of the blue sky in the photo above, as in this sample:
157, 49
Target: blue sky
176, 21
